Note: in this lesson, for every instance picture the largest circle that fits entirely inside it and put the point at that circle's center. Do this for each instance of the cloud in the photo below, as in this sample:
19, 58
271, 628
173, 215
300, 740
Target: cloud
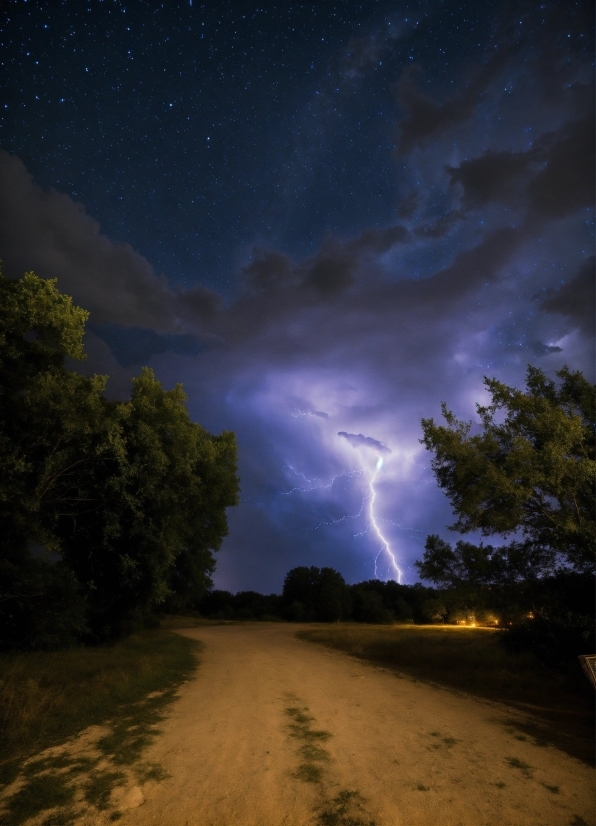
539, 349
553, 179
135, 346
567, 182
358, 440
328, 273
46, 231
494, 176
375, 241
576, 299
426, 120
267, 270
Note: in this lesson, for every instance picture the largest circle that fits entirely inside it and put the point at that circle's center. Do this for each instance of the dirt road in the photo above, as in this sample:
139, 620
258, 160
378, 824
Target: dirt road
274, 731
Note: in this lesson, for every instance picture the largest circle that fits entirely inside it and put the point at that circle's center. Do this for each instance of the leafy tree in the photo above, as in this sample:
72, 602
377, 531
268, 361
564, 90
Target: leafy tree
368, 606
130, 497
530, 472
316, 593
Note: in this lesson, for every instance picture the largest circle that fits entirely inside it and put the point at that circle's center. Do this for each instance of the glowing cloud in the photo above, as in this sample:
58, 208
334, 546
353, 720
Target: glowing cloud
358, 440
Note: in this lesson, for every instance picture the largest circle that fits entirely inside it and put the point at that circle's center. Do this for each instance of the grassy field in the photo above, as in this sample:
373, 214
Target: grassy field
560, 708
46, 697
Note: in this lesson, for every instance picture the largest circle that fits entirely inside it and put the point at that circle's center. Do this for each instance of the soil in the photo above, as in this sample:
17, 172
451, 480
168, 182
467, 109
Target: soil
274, 731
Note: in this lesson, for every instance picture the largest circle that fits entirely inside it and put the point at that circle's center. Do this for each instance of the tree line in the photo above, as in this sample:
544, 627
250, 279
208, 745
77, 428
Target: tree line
312, 594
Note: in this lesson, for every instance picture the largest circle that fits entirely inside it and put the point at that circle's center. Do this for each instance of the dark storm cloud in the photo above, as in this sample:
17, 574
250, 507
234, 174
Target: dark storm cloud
267, 270
576, 299
472, 268
48, 232
494, 176
425, 119
328, 273
567, 182
553, 179
409, 205
537, 348
198, 303
358, 440
331, 272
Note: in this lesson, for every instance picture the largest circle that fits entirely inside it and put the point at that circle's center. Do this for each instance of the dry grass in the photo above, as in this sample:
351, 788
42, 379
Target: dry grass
46, 697
474, 661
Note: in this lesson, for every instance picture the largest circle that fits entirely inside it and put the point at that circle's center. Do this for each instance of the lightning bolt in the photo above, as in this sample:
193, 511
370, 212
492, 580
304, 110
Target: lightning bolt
349, 475
374, 521
342, 518
385, 547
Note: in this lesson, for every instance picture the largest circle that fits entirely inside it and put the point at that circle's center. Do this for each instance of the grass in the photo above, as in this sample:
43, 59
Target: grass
125, 686
516, 763
49, 696
560, 708
311, 752
346, 807
301, 726
344, 810
46, 791
309, 773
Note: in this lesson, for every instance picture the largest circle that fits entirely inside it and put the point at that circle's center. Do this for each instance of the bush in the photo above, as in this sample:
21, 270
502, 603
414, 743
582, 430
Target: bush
556, 641
43, 606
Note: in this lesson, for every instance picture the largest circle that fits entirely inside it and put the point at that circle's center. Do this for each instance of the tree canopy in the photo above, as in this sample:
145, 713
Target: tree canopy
316, 594
529, 473
123, 503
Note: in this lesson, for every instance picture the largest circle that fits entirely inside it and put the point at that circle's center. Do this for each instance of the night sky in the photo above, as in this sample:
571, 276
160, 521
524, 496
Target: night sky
324, 219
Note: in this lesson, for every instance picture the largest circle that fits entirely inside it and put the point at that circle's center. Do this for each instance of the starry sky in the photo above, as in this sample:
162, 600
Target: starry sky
324, 219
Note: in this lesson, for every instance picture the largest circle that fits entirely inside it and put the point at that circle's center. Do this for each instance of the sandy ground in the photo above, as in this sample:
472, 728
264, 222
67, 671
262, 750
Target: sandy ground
417, 755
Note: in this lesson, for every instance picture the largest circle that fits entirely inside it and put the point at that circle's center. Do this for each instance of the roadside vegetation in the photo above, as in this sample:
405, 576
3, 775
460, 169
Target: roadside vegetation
559, 707
47, 697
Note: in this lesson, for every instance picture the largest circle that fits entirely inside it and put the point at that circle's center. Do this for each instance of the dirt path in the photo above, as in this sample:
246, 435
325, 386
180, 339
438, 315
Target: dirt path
267, 713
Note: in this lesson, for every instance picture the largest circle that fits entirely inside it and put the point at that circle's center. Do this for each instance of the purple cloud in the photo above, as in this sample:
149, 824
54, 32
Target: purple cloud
358, 440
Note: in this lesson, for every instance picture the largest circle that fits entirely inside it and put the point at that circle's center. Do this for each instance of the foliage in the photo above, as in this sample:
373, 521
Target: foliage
48, 696
129, 497
244, 605
533, 473
319, 593
529, 474
368, 606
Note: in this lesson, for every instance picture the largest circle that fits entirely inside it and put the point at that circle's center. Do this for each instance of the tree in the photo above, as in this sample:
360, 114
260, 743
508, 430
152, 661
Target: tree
316, 593
130, 497
529, 472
